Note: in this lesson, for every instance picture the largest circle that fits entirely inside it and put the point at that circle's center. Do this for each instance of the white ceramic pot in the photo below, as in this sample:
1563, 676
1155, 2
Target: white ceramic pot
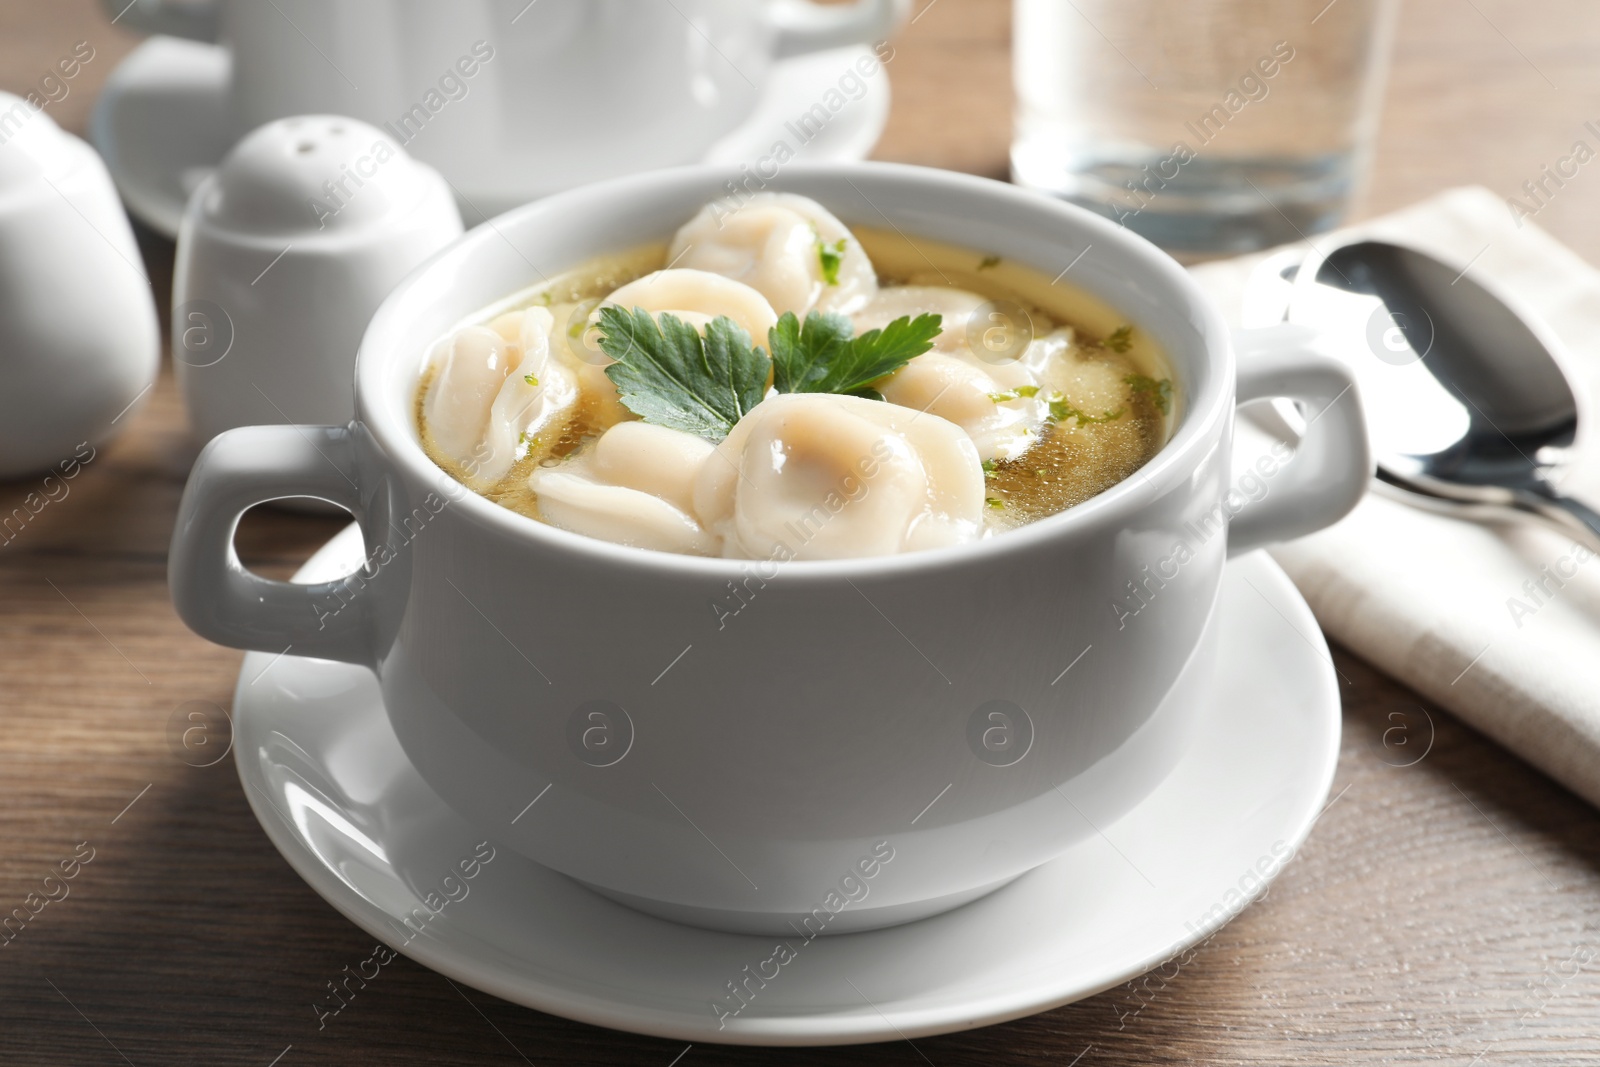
283, 256
511, 99
79, 340
588, 705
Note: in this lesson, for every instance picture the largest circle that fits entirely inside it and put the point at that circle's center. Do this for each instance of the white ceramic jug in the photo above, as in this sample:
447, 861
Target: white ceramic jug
79, 339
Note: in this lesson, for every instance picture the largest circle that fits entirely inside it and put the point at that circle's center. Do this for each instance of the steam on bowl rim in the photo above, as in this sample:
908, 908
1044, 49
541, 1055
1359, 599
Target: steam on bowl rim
394, 348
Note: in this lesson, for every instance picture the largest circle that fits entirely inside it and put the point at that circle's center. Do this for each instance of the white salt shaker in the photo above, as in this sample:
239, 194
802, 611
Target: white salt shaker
283, 256
79, 340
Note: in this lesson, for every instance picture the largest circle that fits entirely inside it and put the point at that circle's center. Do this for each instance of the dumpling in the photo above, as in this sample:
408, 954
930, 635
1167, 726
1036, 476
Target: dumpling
539, 396
470, 367
651, 459
634, 486
1094, 386
573, 343
971, 327
953, 306
613, 513
824, 476
790, 248
1002, 422
697, 297
492, 399
509, 326
1046, 355
997, 399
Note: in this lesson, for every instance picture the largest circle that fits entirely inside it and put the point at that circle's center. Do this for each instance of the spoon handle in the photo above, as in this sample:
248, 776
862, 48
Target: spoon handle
1496, 504
1569, 514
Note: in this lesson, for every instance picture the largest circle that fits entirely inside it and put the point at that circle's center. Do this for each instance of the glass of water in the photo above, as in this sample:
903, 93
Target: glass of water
1208, 126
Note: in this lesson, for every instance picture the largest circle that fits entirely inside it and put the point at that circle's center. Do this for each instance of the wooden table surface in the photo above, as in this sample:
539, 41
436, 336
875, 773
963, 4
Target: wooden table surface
1447, 911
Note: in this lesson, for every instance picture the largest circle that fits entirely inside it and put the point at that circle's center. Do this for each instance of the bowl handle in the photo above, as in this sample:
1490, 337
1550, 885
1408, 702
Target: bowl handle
807, 27
1332, 464
215, 594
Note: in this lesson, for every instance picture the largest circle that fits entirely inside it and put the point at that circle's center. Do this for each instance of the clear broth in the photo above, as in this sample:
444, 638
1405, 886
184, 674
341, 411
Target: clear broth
1071, 462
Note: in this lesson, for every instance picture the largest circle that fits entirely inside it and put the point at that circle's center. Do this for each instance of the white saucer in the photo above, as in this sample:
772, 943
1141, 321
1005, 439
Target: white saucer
336, 795
161, 121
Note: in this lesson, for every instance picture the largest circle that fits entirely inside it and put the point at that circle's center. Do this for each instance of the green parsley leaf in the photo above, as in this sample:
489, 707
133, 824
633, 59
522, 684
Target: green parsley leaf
1061, 411
988, 262
831, 256
995, 503
669, 375
989, 468
531, 380
1160, 392
822, 357
803, 355
1018, 393
1121, 339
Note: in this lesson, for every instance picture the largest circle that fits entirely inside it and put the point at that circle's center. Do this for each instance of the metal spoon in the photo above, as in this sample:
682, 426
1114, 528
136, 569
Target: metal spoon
1468, 406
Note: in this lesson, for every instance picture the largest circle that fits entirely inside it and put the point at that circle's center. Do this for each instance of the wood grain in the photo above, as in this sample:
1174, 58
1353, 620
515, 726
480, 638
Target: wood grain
1444, 911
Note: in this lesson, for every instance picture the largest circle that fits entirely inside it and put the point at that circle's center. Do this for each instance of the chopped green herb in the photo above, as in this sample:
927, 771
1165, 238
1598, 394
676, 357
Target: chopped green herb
1015, 394
995, 502
989, 468
1040, 473
821, 356
831, 256
1121, 339
988, 262
524, 439
531, 380
1160, 392
1061, 411
669, 375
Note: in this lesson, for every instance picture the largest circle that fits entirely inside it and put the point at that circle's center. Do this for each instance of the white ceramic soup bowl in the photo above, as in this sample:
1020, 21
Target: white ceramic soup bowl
864, 741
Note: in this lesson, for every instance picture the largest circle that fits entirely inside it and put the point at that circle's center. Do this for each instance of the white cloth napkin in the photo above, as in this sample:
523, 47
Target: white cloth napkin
1445, 605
